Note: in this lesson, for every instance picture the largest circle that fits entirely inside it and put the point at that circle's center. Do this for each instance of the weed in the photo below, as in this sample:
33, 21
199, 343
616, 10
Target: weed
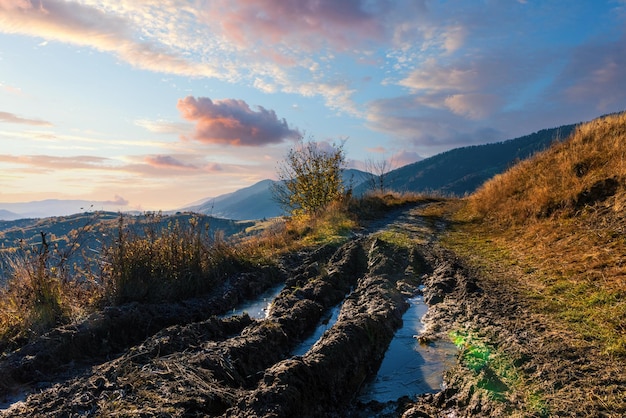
165, 263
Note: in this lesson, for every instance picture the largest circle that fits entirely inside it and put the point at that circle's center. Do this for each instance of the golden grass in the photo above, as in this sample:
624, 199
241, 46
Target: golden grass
557, 179
561, 215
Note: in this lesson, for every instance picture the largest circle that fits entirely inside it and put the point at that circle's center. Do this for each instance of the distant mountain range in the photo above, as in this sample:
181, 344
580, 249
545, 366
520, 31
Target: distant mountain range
456, 172
54, 207
460, 171
256, 201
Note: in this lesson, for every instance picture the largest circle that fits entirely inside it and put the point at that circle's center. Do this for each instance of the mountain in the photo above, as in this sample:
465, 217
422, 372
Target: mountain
56, 207
8, 215
256, 201
462, 170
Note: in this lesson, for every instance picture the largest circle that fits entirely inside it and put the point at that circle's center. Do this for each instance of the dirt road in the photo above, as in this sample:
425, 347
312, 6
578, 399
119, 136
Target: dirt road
182, 360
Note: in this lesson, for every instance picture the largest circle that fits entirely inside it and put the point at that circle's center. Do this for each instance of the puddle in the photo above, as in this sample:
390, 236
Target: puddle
410, 369
326, 323
257, 308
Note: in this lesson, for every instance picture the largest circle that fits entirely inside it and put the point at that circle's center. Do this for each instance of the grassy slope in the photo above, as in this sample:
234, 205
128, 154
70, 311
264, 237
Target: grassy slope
552, 227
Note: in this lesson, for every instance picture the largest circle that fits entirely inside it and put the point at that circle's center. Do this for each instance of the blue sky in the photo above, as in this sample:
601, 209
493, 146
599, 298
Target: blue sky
154, 104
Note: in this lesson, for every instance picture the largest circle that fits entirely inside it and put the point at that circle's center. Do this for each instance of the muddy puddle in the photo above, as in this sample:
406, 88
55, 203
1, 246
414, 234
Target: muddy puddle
410, 368
257, 308
327, 321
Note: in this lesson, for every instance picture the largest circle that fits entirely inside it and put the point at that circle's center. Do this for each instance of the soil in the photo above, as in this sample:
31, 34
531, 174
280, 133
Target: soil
182, 360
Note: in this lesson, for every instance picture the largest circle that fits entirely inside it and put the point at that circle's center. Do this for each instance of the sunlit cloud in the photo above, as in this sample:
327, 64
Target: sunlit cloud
377, 150
85, 25
233, 122
402, 158
11, 118
16, 91
306, 23
473, 105
117, 201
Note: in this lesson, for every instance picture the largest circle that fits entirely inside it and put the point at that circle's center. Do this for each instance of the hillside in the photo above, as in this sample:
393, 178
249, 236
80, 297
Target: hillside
551, 230
564, 210
89, 231
462, 170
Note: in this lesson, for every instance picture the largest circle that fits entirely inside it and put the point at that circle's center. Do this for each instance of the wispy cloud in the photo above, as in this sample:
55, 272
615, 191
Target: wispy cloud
161, 126
85, 25
233, 122
12, 118
45, 163
309, 24
169, 162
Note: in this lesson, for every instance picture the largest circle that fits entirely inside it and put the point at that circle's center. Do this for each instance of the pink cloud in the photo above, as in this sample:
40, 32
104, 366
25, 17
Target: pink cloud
377, 150
11, 118
167, 161
85, 25
44, 163
472, 105
307, 22
403, 158
232, 122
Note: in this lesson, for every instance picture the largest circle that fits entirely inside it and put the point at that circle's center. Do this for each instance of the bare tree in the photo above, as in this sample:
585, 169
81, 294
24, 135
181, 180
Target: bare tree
378, 171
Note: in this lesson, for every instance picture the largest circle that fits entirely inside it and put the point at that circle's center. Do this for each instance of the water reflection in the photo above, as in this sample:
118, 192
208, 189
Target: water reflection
257, 308
409, 368
326, 323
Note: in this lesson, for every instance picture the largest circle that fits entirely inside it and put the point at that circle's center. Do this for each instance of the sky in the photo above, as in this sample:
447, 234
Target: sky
155, 104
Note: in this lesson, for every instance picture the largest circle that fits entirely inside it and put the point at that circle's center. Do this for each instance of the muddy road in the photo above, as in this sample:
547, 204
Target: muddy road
189, 359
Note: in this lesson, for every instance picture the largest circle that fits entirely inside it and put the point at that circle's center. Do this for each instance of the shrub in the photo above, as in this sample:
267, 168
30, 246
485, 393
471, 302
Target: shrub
310, 178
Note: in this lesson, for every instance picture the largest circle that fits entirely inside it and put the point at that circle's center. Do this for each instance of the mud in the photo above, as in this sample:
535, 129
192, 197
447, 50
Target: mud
182, 360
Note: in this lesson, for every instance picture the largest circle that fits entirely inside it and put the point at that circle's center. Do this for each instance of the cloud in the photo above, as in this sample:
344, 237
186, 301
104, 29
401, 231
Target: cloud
595, 75
473, 105
377, 150
84, 25
160, 126
308, 24
11, 118
232, 122
44, 163
403, 158
169, 162
425, 129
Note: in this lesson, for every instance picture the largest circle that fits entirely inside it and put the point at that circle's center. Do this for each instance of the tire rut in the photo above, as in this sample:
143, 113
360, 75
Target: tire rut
242, 367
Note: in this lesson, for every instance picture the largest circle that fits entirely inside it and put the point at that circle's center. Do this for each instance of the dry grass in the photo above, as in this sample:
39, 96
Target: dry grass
561, 216
38, 296
163, 264
563, 179
376, 203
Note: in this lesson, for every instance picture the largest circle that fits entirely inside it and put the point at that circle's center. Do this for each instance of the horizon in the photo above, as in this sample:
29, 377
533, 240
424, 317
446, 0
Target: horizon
157, 104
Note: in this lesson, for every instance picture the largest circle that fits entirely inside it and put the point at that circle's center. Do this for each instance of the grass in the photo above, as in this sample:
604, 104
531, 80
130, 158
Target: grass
154, 263
560, 217
163, 264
